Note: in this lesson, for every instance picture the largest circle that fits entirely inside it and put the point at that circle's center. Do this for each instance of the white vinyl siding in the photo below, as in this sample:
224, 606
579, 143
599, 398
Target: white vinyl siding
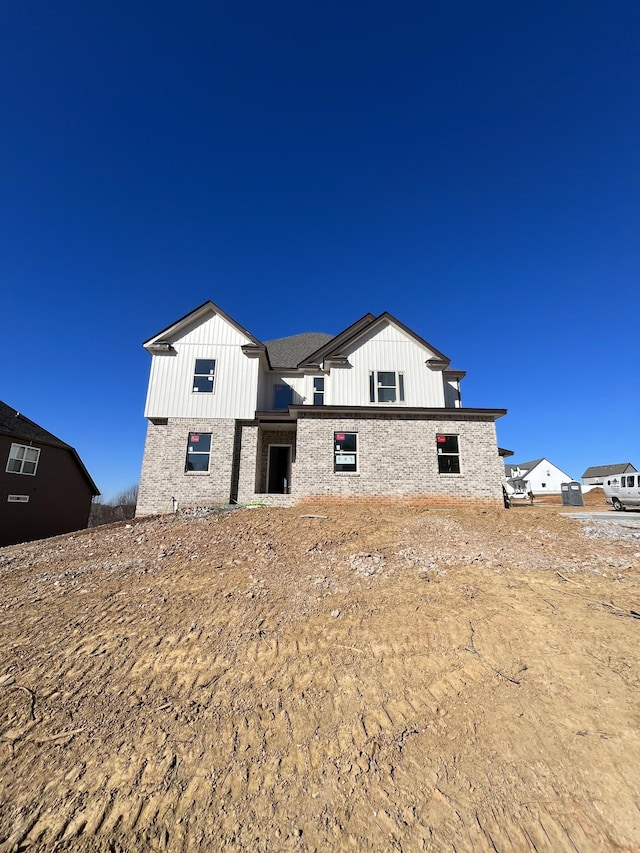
170, 391
388, 349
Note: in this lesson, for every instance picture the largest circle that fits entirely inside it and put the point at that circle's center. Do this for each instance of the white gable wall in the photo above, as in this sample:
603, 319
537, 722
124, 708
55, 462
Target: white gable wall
386, 348
549, 474
170, 391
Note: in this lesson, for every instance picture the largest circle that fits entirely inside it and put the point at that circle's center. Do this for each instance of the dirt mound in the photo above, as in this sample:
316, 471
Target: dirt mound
369, 678
593, 498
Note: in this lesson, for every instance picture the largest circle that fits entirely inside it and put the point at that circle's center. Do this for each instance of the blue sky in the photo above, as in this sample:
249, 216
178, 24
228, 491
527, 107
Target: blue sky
471, 168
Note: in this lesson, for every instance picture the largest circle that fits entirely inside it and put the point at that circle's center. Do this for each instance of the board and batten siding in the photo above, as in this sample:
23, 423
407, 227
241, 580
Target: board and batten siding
170, 391
268, 382
388, 348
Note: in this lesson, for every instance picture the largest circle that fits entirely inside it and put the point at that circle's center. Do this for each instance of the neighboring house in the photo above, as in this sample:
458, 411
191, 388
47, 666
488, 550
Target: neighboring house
44, 487
597, 474
374, 410
538, 476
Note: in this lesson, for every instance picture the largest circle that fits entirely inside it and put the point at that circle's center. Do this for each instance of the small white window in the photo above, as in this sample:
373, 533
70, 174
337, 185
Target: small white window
23, 459
18, 499
204, 375
318, 390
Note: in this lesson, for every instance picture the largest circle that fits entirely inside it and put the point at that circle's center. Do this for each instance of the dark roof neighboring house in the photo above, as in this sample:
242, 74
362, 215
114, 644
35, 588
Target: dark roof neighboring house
289, 352
523, 466
608, 470
13, 424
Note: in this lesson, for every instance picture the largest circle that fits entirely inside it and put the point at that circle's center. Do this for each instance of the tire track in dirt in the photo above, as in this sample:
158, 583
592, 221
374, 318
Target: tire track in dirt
219, 703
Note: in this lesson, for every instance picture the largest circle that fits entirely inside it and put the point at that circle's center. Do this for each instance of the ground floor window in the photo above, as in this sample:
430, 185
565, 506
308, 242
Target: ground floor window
448, 454
345, 451
198, 451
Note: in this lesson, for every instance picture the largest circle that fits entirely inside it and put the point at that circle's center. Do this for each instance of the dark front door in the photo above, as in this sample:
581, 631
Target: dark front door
279, 463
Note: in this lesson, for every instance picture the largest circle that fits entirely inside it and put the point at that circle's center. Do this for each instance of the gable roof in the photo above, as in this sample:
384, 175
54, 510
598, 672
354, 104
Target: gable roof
524, 466
15, 425
334, 347
290, 352
297, 351
162, 337
606, 470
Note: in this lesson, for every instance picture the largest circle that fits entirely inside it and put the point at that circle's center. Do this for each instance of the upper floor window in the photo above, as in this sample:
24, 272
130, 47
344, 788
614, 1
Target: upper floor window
318, 390
23, 459
448, 454
386, 386
345, 451
282, 396
204, 375
198, 451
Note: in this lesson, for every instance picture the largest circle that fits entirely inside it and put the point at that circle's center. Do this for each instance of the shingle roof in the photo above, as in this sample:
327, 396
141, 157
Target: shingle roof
605, 470
523, 466
289, 352
17, 426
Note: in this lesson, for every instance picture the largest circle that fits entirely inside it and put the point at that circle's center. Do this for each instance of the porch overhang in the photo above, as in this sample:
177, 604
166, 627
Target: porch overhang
418, 413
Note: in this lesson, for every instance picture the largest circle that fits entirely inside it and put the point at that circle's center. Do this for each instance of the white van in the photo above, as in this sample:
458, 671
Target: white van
623, 490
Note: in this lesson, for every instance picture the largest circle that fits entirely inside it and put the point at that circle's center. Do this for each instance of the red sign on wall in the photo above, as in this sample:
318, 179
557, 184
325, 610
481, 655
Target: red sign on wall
195, 439
441, 439
339, 436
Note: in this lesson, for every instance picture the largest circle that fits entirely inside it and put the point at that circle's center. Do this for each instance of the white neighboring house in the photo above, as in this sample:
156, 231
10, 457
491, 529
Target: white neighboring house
538, 476
373, 410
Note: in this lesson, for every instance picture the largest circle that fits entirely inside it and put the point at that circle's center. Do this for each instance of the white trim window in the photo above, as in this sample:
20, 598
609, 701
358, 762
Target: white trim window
198, 452
18, 499
386, 386
448, 454
204, 375
345, 451
23, 459
318, 390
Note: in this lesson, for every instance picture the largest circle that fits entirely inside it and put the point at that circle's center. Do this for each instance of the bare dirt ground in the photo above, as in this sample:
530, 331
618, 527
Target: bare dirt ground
330, 676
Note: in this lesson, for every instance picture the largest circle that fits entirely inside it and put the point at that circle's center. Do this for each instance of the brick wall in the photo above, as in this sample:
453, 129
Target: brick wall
397, 456
163, 476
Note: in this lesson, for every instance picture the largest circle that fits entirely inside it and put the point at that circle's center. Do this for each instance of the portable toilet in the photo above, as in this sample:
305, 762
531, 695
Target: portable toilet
571, 494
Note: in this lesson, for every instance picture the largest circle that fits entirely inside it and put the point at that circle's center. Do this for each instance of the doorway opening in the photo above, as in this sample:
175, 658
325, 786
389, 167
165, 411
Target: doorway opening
279, 469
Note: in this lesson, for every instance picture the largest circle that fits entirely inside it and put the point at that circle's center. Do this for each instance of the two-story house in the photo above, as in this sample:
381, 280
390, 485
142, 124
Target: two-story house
45, 490
374, 410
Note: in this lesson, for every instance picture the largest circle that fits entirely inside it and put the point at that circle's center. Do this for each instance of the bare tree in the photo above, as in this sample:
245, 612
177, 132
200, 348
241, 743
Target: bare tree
127, 497
119, 508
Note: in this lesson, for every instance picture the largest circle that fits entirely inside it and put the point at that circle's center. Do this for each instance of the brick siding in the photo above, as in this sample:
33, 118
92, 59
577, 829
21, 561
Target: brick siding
163, 476
397, 457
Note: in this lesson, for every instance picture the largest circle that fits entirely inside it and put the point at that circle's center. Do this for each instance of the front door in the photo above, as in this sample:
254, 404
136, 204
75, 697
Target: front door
278, 474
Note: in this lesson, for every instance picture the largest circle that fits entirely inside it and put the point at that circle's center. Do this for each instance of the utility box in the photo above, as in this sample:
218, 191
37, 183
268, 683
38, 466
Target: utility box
571, 494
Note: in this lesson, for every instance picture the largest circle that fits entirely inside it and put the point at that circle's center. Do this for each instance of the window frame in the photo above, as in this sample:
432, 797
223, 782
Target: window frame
211, 374
450, 455
338, 451
199, 453
318, 392
375, 387
23, 460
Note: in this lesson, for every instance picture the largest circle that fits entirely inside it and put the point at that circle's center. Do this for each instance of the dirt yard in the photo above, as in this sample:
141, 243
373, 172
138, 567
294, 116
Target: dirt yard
331, 676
